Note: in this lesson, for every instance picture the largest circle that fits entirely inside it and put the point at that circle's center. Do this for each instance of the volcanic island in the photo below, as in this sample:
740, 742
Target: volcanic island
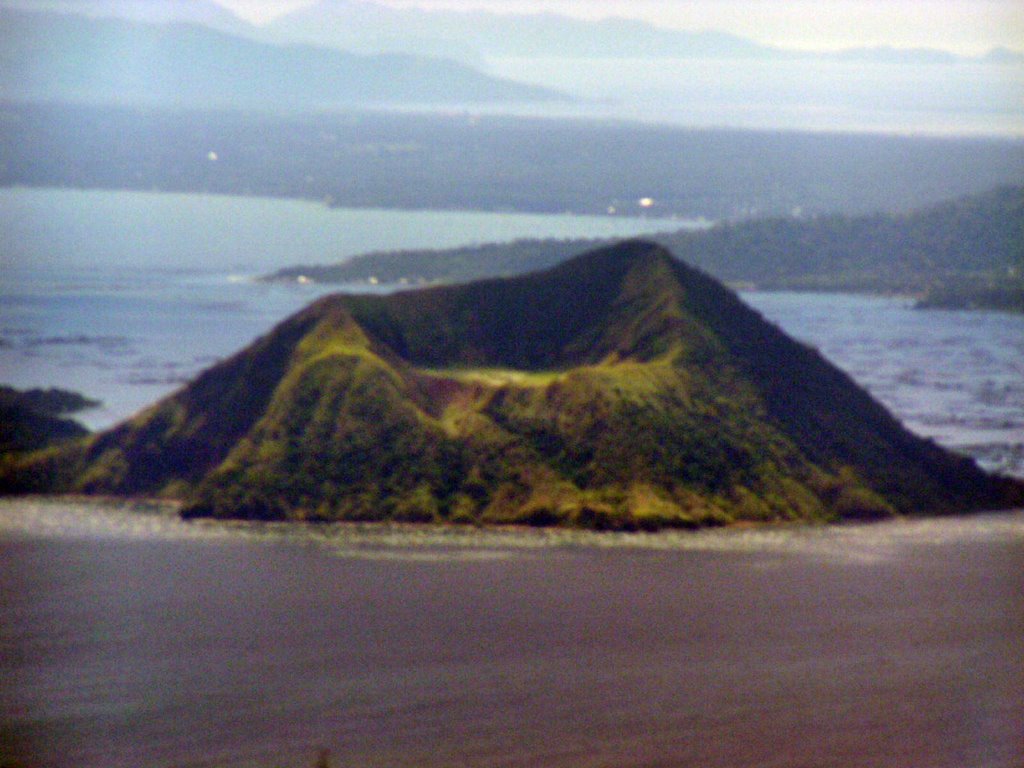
619, 390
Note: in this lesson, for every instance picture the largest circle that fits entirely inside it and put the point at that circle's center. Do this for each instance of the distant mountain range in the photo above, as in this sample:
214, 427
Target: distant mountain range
204, 12
619, 390
56, 57
478, 35
473, 36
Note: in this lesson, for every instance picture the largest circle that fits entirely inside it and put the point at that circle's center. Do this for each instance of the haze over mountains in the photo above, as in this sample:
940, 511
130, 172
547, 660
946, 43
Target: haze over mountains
203, 12
613, 68
475, 35
56, 57
363, 25
479, 35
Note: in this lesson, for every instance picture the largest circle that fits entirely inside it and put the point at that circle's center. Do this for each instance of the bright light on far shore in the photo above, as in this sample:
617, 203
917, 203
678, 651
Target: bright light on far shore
646, 202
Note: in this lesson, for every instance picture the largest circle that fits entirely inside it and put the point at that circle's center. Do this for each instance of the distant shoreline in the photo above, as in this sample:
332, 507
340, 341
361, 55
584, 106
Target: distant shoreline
399, 158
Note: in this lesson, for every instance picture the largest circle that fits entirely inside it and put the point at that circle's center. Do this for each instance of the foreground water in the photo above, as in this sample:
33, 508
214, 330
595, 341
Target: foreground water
131, 639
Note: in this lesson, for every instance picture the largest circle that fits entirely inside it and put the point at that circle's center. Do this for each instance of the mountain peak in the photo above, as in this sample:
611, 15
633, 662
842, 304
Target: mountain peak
619, 259
575, 313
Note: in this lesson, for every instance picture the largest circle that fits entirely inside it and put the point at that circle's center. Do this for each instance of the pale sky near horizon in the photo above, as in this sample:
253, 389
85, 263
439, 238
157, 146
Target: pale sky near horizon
963, 26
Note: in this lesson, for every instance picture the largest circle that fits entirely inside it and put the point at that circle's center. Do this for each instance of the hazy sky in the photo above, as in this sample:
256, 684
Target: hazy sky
966, 26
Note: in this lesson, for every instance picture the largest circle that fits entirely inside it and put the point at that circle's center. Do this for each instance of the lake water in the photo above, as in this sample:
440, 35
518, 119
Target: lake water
47, 229
132, 639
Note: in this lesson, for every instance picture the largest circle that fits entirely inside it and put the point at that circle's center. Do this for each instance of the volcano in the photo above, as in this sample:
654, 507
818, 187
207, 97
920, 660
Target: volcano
619, 390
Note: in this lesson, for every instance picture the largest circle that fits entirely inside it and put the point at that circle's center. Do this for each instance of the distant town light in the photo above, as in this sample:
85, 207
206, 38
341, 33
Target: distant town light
646, 202
211, 156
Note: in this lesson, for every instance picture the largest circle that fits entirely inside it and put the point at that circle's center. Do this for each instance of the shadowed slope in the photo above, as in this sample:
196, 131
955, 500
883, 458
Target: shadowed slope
620, 389
574, 314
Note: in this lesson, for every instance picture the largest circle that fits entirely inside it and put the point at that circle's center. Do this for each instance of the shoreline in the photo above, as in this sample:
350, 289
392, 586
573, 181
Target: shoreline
70, 517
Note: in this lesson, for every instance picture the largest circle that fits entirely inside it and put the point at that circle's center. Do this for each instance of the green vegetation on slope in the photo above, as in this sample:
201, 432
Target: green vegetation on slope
621, 389
972, 240
981, 235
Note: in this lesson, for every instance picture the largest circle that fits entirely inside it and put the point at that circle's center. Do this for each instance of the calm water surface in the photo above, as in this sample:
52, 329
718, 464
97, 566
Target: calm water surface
43, 228
130, 638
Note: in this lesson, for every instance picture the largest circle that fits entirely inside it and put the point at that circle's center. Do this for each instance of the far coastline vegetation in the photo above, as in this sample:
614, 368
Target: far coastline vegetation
963, 254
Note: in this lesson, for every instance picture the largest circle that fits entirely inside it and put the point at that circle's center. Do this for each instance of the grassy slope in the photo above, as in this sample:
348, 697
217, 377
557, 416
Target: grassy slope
621, 389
